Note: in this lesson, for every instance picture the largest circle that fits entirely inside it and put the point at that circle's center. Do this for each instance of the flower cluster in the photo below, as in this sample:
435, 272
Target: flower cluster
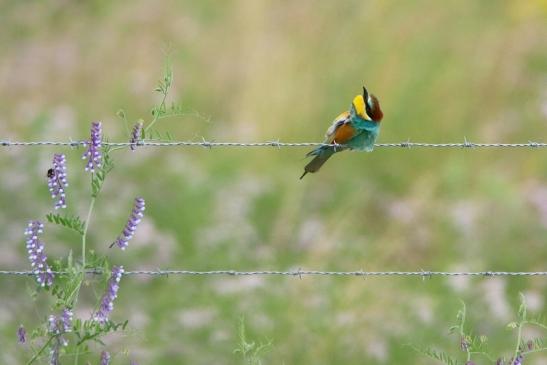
518, 360
21, 334
36, 255
107, 301
135, 135
66, 320
57, 325
93, 153
105, 358
57, 181
134, 219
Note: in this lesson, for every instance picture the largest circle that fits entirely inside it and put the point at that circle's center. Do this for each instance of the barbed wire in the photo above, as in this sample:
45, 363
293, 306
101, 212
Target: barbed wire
278, 144
299, 272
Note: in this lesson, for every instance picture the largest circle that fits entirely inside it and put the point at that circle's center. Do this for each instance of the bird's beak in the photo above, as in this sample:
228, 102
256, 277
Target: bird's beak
365, 94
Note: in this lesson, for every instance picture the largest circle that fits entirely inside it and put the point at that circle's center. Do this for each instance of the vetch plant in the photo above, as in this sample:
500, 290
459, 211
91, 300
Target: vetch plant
145, 130
475, 347
63, 337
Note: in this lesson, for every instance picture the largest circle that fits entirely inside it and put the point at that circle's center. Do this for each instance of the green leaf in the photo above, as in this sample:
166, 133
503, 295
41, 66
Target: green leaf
437, 355
537, 321
68, 221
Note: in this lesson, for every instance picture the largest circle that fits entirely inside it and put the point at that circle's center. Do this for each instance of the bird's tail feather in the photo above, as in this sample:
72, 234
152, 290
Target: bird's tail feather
318, 161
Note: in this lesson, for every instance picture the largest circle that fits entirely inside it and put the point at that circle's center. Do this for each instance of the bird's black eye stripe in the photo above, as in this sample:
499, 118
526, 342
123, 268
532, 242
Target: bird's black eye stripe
368, 108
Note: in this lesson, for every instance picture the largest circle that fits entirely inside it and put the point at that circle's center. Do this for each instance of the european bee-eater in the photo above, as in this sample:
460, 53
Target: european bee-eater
356, 129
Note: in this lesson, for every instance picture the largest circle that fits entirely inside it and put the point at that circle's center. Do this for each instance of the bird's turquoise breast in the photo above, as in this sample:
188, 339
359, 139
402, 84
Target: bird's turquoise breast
367, 132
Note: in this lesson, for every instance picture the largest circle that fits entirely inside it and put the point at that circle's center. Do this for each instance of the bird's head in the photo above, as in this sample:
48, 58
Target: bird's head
367, 106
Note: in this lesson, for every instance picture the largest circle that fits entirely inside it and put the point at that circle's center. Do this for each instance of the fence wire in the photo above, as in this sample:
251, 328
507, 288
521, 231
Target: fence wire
276, 144
299, 273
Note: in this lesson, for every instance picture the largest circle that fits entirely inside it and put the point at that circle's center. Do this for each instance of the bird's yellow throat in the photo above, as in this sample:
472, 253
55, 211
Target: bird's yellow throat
359, 106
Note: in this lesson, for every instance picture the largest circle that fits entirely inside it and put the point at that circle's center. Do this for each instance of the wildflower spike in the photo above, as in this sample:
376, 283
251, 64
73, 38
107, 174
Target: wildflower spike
105, 358
134, 219
135, 135
21, 334
36, 255
107, 301
93, 153
57, 181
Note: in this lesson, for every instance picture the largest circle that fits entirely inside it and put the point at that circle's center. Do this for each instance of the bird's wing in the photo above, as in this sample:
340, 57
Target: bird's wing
338, 122
341, 130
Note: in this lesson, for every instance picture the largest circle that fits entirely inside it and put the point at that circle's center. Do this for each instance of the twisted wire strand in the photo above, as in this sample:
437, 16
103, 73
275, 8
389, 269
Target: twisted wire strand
298, 273
278, 144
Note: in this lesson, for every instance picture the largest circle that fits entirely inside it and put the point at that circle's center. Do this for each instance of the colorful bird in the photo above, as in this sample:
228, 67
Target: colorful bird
356, 129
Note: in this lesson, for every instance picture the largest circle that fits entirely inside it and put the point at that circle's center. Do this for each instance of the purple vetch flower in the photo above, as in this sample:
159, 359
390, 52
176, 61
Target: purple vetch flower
93, 153
21, 334
135, 135
36, 255
133, 362
134, 219
52, 325
518, 360
105, 358
66, 320
59, 325
107, 301
57, 180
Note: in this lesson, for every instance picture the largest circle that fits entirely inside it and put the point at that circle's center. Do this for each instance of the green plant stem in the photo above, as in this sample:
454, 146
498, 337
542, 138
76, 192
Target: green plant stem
462, 331
40, 351
157, 114
76, 355
86, 226
519, 339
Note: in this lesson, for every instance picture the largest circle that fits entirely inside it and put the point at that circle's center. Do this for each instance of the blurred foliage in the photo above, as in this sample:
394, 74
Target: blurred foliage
267, 70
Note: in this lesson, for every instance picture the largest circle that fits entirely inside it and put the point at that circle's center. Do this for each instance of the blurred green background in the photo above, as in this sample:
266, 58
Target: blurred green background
265, 70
